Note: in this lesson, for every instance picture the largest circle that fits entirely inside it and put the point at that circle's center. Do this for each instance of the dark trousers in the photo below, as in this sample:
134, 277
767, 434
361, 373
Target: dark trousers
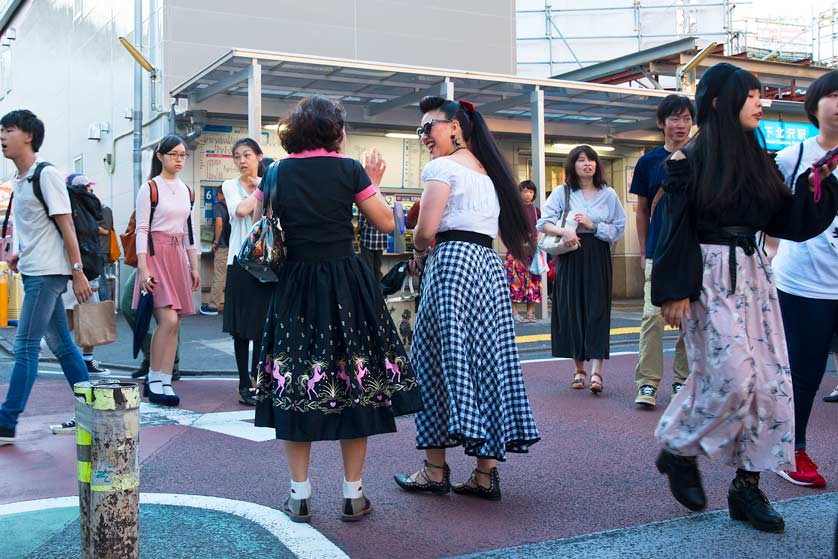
809, 325
373, 260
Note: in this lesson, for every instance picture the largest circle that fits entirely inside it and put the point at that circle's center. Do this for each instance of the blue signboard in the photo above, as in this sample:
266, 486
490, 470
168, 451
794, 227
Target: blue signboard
779, 135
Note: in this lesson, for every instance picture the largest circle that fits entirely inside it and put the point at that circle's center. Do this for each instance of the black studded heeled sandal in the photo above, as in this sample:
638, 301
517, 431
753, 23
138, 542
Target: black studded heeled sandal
473, 488
428, 486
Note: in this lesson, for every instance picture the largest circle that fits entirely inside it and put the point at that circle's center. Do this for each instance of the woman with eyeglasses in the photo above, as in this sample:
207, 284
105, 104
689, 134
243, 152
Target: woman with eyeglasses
166, 240
593, 223
244, 295
464, 350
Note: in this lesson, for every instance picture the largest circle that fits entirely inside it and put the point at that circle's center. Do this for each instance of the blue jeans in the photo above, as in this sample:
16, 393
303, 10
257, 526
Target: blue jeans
42, 315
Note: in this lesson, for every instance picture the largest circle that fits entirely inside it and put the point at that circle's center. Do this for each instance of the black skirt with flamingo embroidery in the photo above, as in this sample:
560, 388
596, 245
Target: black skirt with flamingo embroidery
333, 365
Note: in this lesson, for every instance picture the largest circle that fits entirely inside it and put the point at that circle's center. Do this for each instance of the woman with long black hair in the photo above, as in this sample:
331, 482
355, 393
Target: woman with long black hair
244, 295
166, 239
464, 350
710, 278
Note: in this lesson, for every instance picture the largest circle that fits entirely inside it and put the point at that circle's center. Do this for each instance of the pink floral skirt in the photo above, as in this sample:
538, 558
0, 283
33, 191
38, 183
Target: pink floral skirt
737, 404
523, 286
170, 270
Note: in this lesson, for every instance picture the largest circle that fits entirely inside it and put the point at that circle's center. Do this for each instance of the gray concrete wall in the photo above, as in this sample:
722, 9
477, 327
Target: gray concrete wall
70, 70
476, 35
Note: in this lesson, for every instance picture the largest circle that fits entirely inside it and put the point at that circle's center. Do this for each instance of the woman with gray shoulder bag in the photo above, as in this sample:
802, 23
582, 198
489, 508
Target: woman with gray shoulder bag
591, 220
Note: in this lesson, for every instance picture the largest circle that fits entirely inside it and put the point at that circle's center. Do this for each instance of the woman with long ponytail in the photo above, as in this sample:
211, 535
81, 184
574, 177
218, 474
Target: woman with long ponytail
464, 352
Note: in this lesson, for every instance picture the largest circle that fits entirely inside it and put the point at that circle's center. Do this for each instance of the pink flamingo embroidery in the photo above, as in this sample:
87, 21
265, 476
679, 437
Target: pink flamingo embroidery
362, 372
318, 376
394, 370
342, 374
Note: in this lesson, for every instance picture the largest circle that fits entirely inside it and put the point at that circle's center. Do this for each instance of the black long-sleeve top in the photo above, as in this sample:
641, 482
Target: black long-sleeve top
677, 270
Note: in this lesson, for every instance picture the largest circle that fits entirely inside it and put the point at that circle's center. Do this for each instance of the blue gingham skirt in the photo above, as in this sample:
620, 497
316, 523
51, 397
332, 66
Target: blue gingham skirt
465, 358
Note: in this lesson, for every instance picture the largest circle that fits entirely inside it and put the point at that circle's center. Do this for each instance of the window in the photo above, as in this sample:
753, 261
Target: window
78, 164
78, 9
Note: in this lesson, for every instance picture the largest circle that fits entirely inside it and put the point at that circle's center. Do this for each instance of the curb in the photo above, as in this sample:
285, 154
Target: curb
6, 348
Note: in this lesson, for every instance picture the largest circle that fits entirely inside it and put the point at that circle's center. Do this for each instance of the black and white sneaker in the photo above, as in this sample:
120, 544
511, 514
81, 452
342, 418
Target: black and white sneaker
96, 370
676, 388
66, 428
646, 396
7, 436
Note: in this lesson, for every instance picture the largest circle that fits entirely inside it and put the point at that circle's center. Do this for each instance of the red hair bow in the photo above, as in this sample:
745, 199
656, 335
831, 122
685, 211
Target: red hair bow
467, 105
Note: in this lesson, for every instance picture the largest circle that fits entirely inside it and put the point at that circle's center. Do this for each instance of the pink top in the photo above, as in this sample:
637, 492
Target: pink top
319, 152
170, 216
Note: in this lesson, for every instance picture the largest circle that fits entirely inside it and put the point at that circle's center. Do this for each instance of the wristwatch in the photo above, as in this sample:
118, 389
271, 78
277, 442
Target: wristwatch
77, 267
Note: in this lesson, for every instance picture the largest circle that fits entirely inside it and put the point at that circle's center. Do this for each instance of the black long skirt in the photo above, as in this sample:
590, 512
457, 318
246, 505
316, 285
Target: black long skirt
333, 365
581, 318
246, 303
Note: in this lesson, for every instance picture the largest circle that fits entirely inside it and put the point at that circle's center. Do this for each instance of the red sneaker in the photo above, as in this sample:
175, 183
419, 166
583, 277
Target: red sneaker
806, 473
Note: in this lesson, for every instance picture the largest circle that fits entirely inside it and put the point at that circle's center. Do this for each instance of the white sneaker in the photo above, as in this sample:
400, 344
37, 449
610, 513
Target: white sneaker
66, 428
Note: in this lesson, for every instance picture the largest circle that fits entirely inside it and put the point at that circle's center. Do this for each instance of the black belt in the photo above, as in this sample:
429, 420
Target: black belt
464, 236
742, 237
319, 251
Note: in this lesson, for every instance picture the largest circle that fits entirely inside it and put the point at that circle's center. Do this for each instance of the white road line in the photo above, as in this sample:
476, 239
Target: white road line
301, 539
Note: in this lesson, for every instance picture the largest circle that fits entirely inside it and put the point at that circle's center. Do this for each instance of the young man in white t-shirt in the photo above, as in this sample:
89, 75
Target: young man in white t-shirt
46, 259
806, 275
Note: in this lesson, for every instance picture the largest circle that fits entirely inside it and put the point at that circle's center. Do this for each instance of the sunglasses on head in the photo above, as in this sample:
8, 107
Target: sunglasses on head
425, 129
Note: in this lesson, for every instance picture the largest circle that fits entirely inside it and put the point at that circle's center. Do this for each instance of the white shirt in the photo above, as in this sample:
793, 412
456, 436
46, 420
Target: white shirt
234, 193
472, 201
41, 245
808, 269
604, 210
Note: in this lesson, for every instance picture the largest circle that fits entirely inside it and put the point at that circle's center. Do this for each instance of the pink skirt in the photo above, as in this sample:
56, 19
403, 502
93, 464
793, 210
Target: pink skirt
169, 268
737, 404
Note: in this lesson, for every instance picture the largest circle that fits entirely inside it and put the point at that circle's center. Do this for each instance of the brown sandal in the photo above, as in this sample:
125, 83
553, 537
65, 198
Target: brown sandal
579, 380
596, 385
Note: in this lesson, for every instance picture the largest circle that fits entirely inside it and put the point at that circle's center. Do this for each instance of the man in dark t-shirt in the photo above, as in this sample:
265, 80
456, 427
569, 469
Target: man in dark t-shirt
674, 115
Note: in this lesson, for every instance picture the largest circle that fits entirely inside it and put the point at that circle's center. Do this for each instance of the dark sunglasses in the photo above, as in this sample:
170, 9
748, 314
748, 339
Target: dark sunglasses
425, 129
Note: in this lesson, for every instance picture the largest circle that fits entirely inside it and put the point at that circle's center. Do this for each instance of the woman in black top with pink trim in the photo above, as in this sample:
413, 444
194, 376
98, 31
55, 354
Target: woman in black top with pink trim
334, 367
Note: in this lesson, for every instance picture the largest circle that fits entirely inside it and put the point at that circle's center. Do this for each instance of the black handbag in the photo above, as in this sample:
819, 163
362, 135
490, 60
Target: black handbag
263, 251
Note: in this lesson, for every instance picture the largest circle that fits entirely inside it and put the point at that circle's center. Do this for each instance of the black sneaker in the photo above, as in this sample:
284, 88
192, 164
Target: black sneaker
676, 388
7, 436
646, 396
207, 310
66, 428
95, 370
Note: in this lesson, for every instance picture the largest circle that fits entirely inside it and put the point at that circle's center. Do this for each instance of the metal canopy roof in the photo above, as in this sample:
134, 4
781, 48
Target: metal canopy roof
374, 92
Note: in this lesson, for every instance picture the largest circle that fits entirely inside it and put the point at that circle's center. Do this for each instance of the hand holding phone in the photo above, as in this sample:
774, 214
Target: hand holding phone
828, 156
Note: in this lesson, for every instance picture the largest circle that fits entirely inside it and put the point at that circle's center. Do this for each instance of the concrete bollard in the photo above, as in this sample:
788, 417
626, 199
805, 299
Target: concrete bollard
107, 445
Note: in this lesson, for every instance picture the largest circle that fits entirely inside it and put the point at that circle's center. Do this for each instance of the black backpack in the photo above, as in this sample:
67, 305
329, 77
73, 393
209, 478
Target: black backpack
87, 213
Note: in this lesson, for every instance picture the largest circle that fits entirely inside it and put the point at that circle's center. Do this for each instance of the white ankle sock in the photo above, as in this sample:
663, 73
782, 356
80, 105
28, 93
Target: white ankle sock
155, 387
352, 489
300, 489
167, 384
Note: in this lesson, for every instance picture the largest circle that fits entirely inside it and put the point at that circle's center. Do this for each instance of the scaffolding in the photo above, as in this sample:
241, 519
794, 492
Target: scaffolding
824, 37
557, 36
